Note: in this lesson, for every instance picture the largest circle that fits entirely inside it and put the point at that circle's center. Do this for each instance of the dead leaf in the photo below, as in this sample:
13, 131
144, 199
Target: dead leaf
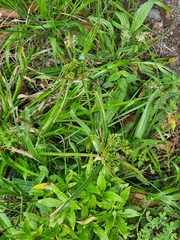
32, 96
136, 68
142, 92
168, 14
20, 120
7, 13
129, 119
32, 7
87, 25
22, 152
138, 199
88, 220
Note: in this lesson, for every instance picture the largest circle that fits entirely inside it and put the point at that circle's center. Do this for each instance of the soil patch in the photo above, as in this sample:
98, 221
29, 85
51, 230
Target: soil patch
167, 26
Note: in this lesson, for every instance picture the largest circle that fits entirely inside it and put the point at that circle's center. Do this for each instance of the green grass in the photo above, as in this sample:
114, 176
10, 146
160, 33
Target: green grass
82, 96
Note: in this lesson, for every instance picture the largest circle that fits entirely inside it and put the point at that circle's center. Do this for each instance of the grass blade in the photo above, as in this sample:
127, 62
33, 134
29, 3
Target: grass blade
141, 15
140, 130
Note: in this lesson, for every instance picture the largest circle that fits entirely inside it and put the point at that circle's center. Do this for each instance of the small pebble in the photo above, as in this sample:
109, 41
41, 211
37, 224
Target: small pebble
157, 25
155, 14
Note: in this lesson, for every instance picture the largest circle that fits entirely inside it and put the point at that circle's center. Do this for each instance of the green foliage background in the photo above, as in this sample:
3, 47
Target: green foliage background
81, 95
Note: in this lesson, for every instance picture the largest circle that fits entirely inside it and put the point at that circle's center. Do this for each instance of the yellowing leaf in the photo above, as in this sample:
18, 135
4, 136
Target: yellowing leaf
88, 164
43, 186
171, 60
174, 59
172, 121
88, 220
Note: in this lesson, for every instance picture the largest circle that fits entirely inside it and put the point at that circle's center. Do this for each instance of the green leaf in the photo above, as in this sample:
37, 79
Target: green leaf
39, 231
4, 191
109, 222
105, 205
59, 219
43, 9
35, 218
84, 212
19, 235
111, 197
80, 7
94, 139
102, 114
124, 19
69, 177
26, 116
27, 227
43, 173
130, 213
72, 218
24, 185
93, 189
67, 233
55, 47
88, 42
18, 88
125, 194
5, 222
114, 76
108, 84
92, 202
32, 149
144, 120
62, 196
19, 167
136, 170
77, 192
162, 5
141, 15
122, 226
100, 233
84, 234
104, 23
50, 202
121, 8
101, 182
117, 96
84, 127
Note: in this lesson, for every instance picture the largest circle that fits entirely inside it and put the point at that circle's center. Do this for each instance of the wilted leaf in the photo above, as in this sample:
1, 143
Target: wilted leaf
88, 220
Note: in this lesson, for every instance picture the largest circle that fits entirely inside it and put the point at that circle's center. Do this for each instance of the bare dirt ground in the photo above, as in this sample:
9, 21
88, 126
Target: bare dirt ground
167, 25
